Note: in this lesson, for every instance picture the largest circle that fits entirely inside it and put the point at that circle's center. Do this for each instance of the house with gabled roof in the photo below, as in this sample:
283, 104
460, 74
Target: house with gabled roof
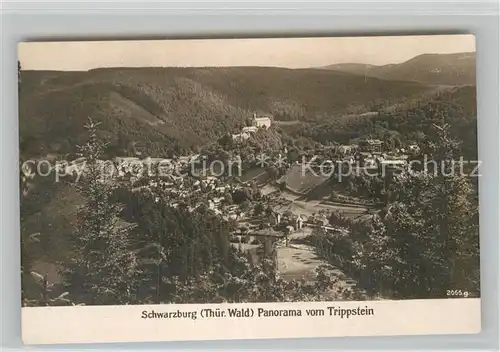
264, 121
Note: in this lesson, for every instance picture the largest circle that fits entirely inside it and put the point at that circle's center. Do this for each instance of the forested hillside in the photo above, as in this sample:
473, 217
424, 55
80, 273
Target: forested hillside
403, 124
163, 110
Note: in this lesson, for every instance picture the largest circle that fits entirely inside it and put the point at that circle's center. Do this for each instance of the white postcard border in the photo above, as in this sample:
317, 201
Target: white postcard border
104, 324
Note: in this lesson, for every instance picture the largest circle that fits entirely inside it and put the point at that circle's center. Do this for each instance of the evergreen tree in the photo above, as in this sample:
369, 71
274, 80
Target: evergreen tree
103, 269
455, 215
426, 239
432, 224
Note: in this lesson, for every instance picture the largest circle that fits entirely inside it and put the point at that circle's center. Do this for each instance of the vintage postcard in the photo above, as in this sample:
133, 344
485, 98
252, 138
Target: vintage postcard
248, 188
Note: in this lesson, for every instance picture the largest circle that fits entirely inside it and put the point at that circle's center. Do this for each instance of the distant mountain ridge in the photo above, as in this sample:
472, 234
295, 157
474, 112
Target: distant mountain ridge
160, 109
444, 69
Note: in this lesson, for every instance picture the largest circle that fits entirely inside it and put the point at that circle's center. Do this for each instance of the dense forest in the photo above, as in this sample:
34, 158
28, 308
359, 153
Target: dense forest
408, 123
425, 239
156, 111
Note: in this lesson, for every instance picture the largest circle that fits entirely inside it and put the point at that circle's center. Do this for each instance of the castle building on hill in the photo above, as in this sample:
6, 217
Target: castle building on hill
262, 121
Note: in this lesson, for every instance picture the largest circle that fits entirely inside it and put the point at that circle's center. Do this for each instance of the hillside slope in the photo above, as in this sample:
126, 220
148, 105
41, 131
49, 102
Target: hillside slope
407, 123
446, 69
161, 110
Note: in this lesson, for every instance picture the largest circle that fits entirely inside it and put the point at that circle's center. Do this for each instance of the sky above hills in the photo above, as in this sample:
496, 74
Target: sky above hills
279, 52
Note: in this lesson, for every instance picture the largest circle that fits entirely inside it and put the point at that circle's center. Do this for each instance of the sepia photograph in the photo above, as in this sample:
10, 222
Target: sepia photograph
269, 171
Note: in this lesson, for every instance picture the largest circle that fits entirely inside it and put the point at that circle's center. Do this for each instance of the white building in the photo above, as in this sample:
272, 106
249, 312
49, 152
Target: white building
370, 162
262, 121
299, 221
344, 149
240, 137
274, 218
249, 129
393, 162
414, 148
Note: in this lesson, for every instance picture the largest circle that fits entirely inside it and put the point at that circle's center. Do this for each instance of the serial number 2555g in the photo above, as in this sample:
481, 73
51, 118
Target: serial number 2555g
457, 293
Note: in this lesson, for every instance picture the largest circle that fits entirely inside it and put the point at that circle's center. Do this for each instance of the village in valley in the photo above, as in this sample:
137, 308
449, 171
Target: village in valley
272, 203
222, 183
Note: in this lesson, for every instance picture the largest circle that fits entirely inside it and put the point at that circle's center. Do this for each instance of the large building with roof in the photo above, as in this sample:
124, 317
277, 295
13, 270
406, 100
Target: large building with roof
264, 121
